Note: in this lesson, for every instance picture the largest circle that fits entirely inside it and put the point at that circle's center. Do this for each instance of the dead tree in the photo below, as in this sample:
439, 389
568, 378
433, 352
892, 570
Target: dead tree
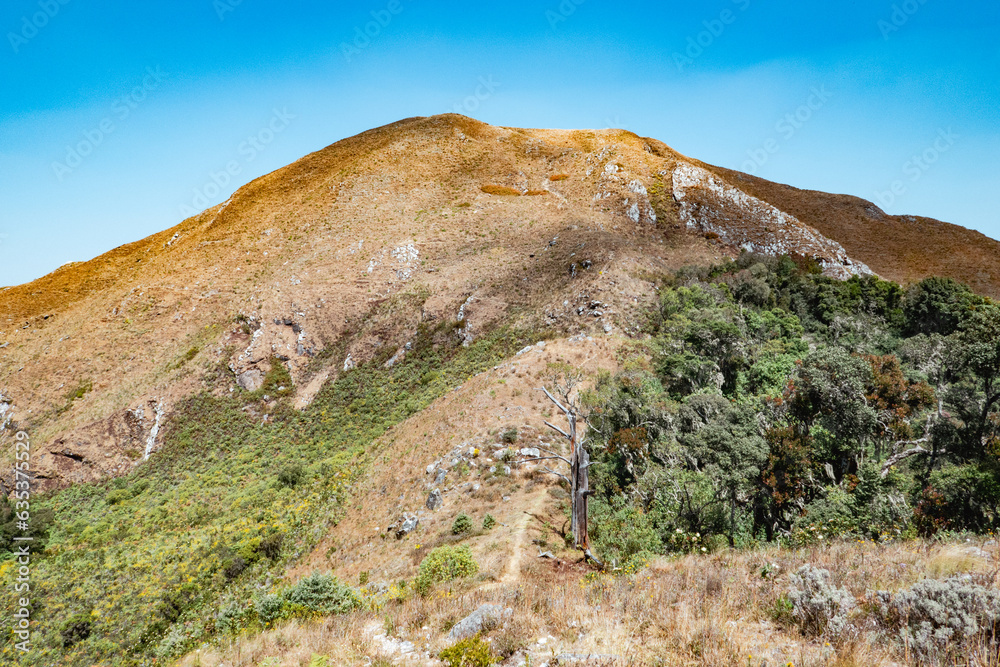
579, 465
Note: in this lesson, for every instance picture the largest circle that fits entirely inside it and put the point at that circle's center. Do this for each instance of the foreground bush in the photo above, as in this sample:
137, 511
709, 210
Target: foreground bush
943, 620
818, 606
471, 652
445, 564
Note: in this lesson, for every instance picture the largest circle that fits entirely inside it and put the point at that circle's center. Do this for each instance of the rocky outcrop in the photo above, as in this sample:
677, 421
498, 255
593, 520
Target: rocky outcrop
709, 205
111, 446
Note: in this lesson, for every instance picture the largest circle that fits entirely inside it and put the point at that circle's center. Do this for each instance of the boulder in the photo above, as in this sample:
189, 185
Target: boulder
435, 500
251, 380
485, 617
408, 526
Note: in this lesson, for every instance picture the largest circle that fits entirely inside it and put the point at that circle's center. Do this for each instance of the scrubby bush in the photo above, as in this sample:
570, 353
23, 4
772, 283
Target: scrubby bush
231, 618
269, 608
941, 620
471, 652
270, 546
444, 564
291, 476
75, 630
623, 534
324, 594
489, 522
462, 524
818, 606
509, 436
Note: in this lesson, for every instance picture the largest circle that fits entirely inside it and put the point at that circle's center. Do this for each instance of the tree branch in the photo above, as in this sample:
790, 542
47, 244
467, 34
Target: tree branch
546, 458
562, 432
559, 405
896, 458
560, 475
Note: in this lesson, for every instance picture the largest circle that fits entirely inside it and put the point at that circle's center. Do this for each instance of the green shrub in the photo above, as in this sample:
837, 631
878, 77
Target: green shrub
269, 608
277, 381
231, 618
623, 535
444, 564
462, 524
75, 630
270, 546
117, 496
291, 476
489, 522
324, 594
471, 652
509, 436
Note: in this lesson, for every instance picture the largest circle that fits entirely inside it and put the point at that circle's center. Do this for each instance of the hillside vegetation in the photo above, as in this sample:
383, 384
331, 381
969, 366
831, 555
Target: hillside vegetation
146, 566
768, 413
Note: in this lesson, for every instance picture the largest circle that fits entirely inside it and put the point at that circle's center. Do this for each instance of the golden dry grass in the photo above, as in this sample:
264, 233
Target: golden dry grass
717, 610
501, 190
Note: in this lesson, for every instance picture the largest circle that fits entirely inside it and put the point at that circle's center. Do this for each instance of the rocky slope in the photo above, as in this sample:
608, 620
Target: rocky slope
343, 254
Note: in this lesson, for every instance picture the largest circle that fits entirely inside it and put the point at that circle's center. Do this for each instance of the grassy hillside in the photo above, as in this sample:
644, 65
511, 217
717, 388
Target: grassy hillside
143, 566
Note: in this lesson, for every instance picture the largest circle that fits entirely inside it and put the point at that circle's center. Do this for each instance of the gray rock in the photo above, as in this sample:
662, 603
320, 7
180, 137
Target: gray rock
431, 468
439, 480
251, 380
530, 452
487, 616
434, 500
409, 525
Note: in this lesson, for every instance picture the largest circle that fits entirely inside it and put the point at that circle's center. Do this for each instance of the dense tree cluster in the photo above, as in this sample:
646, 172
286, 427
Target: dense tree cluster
772, 403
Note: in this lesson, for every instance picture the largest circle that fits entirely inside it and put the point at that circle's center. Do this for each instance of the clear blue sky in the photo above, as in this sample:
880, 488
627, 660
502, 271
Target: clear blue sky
181, 85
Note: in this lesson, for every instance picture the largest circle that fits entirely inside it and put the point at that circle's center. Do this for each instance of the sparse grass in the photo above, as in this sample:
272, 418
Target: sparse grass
714, 611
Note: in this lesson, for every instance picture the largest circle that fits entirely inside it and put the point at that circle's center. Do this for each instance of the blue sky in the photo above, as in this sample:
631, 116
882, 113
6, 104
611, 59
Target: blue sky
114, 116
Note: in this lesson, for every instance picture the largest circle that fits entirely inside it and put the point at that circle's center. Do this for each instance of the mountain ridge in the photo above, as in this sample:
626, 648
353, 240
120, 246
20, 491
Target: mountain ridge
321, 263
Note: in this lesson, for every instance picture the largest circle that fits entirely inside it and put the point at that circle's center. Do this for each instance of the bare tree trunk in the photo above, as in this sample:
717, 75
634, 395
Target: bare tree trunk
579, 477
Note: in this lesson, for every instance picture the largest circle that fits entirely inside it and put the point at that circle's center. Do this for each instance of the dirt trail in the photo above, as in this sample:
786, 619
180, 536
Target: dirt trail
512, 571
